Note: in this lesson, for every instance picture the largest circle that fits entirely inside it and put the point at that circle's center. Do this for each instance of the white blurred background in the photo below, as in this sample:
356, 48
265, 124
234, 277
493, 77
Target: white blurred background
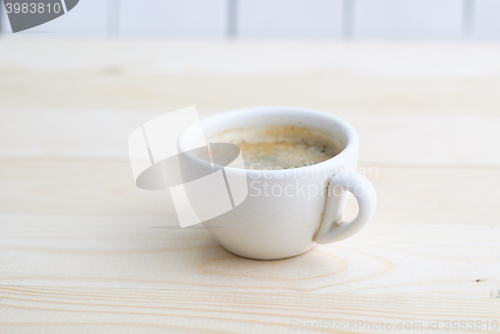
272, 19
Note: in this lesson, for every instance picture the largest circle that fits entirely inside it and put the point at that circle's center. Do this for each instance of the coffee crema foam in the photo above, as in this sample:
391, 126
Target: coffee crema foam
279, 147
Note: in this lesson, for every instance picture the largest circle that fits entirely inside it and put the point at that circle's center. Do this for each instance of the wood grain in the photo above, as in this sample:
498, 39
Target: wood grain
144, 76
156, 254
459, 140
83, 310
82, 250
86, 188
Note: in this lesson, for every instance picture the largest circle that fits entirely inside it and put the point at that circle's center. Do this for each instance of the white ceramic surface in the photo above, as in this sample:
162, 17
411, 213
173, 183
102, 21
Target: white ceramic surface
287, 212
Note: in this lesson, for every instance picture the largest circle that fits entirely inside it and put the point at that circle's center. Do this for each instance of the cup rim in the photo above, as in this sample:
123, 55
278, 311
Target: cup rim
352, 137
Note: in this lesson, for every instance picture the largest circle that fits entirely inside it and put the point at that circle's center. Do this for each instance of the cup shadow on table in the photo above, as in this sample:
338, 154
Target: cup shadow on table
208, 257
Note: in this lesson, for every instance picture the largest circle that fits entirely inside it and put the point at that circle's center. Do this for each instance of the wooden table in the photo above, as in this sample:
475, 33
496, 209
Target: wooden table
82, 250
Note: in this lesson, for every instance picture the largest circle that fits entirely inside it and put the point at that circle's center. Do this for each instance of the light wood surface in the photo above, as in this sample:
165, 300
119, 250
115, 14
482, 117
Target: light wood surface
82, 250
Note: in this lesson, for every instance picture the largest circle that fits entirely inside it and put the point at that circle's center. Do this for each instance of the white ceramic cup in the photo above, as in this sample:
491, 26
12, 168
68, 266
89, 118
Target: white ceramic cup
287, 212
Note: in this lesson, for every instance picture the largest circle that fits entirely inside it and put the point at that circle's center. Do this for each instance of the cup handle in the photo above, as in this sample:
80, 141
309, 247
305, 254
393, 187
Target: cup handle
332, 229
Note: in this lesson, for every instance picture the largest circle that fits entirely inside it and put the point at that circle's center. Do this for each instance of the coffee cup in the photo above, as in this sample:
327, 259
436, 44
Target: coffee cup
287, 211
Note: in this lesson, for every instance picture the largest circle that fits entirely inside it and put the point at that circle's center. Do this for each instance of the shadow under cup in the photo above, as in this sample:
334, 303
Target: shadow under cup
283, 209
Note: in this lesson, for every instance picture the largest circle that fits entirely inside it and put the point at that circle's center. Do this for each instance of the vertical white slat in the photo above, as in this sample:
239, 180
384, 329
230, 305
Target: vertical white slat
173, 18
232, 18
4, 20
289, 18
408, 19
348, 19
113, 18
87, 18
487, 19
468, 18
